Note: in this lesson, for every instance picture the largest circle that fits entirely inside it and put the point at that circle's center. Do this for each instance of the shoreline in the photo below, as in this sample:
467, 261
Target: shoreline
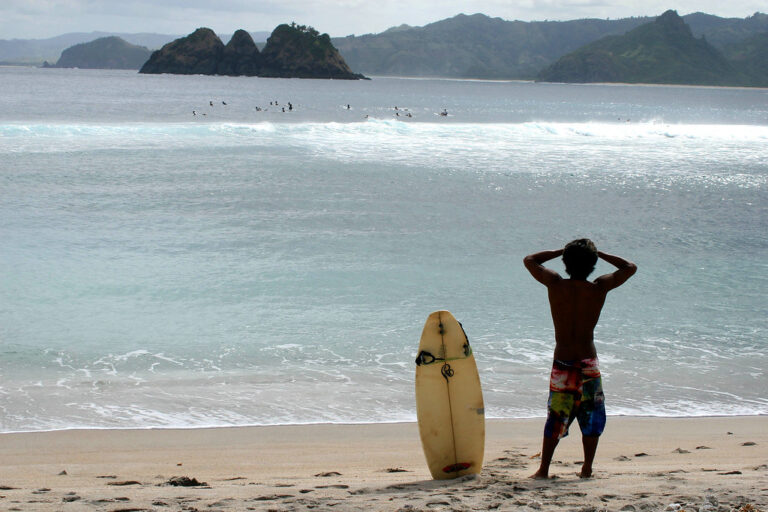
648, 463
541, 418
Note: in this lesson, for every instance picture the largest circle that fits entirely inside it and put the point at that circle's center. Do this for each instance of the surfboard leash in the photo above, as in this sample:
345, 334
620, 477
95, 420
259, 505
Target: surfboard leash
425, 357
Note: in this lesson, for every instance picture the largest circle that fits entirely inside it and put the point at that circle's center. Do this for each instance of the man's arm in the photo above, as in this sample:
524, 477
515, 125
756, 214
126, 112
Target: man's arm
533, 262
626, 269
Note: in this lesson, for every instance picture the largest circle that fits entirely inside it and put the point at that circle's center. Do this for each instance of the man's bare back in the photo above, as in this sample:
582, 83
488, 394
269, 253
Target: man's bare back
575, 307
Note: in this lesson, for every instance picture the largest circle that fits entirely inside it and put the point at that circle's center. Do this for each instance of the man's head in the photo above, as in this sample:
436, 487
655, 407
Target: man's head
580, 257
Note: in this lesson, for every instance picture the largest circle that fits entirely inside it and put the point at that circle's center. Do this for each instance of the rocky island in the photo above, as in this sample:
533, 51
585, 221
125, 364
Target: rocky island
104, 53
292, 51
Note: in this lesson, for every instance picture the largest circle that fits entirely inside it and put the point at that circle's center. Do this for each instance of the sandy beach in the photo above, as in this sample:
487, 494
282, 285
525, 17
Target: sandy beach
704, 464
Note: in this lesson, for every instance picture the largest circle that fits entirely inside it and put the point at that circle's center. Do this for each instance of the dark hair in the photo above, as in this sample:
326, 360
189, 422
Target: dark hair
580, 257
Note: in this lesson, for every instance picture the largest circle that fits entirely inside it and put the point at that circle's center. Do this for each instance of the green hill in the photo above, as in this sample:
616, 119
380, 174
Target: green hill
478, 46
104, 53
661, 52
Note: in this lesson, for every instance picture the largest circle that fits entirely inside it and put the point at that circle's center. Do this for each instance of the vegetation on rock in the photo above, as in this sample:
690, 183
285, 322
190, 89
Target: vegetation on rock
292, 51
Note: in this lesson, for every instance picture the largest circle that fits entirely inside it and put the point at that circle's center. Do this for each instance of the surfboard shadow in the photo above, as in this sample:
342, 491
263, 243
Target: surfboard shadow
420, 485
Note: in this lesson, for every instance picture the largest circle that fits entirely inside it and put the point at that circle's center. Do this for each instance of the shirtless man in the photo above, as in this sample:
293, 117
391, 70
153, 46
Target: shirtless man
575, 387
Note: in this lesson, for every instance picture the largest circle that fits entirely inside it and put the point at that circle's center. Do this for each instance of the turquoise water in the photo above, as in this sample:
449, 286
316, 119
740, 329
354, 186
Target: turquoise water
159, 268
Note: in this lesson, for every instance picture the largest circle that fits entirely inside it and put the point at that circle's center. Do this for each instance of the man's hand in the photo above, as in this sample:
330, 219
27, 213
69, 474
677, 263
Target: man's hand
533, 262
626, 269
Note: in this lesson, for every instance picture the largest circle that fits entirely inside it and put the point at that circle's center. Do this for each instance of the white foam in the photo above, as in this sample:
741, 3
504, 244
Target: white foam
34, 138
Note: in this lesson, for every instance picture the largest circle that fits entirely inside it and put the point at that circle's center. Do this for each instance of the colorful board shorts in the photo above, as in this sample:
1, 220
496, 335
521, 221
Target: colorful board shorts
575, 392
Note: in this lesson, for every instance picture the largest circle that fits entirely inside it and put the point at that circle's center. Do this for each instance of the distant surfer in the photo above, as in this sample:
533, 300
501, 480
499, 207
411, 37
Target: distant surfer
575, 386
444, 113
210, 103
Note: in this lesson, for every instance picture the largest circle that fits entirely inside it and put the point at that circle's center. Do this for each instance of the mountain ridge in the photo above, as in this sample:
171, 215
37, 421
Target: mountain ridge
478, 46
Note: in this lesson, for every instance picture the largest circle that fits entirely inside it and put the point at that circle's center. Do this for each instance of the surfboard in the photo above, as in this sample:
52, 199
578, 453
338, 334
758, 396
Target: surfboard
449, 399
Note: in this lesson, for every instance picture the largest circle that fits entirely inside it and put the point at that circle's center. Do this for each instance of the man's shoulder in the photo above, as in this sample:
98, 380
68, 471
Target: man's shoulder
576, 287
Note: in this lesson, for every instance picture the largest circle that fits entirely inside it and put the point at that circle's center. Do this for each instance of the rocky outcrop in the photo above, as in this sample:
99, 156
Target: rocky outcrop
301, 52
199, 53
103, 53
240, 56
292, 51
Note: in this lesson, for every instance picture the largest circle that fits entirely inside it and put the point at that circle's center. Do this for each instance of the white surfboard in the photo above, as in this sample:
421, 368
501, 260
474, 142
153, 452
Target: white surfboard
449, 399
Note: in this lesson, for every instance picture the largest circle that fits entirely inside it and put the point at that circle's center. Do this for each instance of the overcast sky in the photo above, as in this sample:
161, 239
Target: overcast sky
32, 19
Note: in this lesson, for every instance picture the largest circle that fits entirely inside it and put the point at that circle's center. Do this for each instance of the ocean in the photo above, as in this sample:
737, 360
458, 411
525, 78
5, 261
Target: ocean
172, 256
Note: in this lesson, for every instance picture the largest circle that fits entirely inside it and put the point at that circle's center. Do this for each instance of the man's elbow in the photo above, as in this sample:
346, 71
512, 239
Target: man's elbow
529, 261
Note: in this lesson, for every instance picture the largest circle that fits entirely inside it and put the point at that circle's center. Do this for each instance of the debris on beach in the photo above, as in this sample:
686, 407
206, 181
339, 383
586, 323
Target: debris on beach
185, 481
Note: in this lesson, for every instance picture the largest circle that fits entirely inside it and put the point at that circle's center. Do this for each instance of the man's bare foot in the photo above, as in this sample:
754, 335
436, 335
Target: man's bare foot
585, 473
540, 475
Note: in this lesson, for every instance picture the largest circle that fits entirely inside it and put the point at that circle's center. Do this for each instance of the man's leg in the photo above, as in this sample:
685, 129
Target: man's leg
591, 417
547, 450
559, 408
590, 447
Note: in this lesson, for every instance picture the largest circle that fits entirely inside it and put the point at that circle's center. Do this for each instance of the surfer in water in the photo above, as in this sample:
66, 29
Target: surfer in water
575, 386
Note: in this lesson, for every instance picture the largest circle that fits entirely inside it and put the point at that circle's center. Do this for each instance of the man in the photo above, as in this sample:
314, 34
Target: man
575, 388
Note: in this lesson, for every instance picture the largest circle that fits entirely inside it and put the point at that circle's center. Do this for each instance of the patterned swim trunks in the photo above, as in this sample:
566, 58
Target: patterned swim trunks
575, 392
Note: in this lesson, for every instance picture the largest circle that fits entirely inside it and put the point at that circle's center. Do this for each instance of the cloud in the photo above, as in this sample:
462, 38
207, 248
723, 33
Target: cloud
46, 18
